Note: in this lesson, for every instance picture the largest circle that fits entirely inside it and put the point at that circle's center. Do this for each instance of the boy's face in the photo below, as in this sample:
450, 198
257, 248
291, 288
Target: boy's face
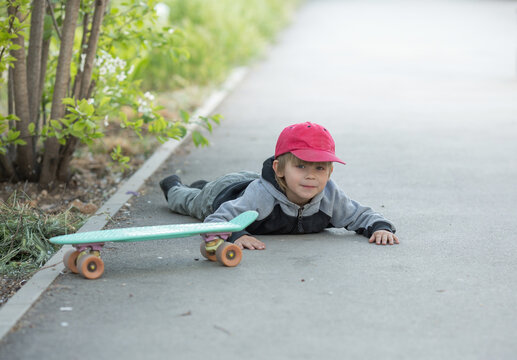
304, 179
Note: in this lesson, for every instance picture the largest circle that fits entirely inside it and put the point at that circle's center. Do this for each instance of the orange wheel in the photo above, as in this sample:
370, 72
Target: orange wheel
90, 266
70, 260
229, 254
205, 253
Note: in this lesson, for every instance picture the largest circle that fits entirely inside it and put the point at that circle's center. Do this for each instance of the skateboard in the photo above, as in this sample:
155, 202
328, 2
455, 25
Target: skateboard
85, 258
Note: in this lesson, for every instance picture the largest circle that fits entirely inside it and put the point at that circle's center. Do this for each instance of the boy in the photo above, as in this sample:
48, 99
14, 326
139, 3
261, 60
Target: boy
293, 195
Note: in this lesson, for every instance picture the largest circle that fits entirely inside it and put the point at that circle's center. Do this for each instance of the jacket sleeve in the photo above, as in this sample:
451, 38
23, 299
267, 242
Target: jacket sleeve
252, 199
353, 216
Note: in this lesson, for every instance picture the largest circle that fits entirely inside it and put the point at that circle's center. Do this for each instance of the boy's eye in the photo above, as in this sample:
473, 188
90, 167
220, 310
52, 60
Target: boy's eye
300, 166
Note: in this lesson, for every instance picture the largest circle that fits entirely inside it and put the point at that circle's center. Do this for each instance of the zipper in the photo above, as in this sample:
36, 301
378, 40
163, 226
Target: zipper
300, 224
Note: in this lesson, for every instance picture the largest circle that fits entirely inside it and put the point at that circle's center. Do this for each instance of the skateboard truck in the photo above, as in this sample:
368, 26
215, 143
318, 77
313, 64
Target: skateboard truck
215, 248
85, 259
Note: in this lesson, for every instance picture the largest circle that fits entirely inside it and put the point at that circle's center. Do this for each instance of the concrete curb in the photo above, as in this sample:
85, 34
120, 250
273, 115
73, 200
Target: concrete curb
22, 301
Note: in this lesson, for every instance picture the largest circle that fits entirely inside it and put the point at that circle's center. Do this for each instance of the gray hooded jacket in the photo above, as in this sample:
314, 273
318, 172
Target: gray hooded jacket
277, 215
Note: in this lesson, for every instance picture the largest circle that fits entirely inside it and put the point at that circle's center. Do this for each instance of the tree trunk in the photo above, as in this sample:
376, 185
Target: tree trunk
45, 48
24, 153
43, 72
6, 163
11, 149
98, 15
6, 166
50, 161
84, 41
66, 153
34, 56
68, 150
10, 92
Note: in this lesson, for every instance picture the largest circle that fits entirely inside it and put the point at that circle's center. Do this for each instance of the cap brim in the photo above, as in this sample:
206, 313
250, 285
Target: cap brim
316, 156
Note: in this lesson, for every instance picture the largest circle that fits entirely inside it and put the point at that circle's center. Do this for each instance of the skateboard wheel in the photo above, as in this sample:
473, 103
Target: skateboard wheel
229, 254
70, 260
206, 254
90, 266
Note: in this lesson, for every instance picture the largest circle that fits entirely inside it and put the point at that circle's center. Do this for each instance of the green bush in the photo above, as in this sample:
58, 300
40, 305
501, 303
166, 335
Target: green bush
218, 35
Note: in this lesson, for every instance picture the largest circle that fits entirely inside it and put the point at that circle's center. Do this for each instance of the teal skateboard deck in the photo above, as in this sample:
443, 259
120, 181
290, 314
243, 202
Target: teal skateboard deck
85, 258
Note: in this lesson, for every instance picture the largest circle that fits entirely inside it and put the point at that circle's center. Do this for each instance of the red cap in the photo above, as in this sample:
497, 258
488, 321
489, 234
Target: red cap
308, 142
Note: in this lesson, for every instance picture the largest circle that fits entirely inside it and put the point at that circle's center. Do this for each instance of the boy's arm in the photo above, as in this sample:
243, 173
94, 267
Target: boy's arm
252, 199
364, 220
227, 212
353, 216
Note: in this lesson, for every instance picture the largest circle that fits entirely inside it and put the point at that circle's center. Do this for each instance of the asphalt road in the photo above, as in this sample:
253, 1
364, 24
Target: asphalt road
421, 98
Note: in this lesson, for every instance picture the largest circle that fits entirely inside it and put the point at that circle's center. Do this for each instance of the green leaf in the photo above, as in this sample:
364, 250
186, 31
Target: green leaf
77, 134
97, 135
32, 128
199, 140
86, 108
104, 101
123, 118
185, 116
68, 101
56, 124
79, 126
12, 135
217, 118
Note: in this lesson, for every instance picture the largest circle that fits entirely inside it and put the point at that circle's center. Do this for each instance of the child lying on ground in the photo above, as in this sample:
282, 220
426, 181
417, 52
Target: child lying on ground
293, 195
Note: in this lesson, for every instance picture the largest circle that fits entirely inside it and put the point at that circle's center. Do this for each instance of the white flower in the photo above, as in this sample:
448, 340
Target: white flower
143, 106
149, 96
121, 76
108, 65
143, 109
83, 58
162, 11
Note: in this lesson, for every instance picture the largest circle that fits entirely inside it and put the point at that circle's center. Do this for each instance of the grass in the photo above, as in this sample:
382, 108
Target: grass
219, 35
24, 234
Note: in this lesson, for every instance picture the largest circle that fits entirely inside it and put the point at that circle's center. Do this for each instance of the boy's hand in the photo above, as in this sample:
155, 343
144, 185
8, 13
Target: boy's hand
249, 242
383, 237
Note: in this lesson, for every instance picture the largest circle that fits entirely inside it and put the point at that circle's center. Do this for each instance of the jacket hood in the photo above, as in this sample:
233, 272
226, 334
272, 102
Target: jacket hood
268, 173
